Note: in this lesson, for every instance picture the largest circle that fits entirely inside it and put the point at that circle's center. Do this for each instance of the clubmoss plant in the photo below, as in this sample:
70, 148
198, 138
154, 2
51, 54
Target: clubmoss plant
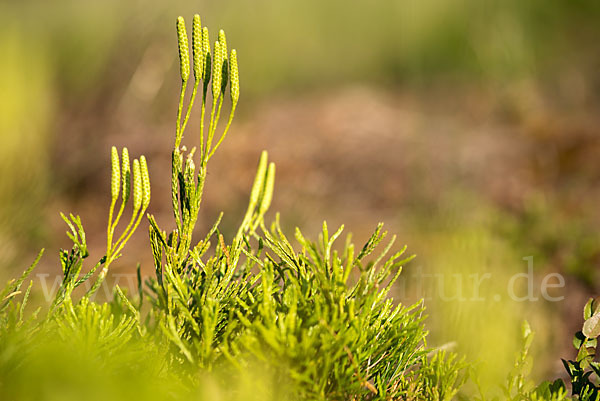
121, 187
319, 315
314, 316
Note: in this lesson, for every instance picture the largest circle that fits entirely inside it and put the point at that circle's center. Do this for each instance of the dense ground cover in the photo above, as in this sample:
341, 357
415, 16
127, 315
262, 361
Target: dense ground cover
317, 320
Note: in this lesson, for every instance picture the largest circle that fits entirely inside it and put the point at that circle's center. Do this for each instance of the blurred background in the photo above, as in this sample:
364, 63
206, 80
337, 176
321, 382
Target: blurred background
470, 127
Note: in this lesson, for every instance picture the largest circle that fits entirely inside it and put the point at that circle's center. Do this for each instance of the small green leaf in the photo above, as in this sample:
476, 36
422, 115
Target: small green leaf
595, 367
587, 309
578, 339
591, 327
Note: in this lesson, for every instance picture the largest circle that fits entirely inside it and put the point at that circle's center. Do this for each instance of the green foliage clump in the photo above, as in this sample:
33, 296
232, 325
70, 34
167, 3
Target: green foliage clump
315, 319
584, 371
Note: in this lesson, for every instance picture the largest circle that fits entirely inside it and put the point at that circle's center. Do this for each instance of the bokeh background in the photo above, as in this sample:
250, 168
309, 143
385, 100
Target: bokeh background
471, 127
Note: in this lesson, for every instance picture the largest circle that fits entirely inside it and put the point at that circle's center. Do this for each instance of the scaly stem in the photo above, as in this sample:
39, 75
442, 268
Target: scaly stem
210, 129
121, 209
202, 115
110, 228
175, 169
120, 245
224, 131
178, 132
214, 129
189, 108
